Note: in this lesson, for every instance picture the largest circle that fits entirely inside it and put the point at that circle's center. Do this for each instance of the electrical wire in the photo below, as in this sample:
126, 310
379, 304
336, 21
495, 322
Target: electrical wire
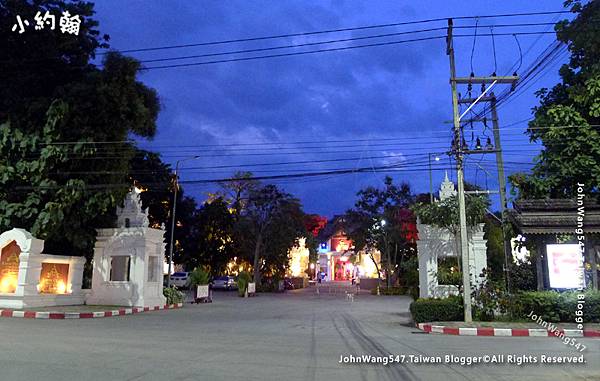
351, 29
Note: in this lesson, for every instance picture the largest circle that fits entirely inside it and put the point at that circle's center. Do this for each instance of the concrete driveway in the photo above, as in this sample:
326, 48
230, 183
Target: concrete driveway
298, 335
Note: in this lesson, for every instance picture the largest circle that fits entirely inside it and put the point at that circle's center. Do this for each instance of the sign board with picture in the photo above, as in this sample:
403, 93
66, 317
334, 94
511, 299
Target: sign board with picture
565, 266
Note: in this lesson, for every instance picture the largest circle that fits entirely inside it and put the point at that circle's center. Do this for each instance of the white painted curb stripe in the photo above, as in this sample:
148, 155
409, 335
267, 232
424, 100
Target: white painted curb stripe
538, 332
502, 331
95, 314
573, 332
467, 331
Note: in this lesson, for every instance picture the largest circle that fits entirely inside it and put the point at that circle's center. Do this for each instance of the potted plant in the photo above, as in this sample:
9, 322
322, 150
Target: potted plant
244, 280
199, 279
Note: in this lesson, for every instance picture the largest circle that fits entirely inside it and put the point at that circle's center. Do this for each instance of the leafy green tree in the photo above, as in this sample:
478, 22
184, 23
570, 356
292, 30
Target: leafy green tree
236, 192
35, 198
155, 178
444, 214
495, 248
379, 221
79, 178
567, 118
212, 237
269, 226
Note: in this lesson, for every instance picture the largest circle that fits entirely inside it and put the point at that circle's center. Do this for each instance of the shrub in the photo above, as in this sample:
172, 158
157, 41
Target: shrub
553, 306
542, 303
390, 291
448, 273
429, 309
269, 284
523, 275
200, 276
173, 295
490, 298
243, 279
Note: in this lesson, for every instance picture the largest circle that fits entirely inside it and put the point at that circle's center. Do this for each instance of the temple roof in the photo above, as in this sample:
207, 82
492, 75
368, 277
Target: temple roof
554, 216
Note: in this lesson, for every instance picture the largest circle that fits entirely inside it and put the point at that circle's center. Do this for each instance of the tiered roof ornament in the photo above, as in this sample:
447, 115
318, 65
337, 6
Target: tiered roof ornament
447, 188
131, 214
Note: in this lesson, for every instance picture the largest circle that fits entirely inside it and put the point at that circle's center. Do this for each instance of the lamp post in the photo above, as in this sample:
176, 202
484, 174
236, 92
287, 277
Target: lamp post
170, 259
437, 158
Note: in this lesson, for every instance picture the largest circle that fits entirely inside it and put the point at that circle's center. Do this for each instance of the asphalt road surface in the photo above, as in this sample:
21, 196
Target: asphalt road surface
298, 335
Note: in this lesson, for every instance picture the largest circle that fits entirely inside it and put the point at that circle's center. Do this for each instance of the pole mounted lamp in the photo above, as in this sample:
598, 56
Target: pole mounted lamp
173, 216
437, 158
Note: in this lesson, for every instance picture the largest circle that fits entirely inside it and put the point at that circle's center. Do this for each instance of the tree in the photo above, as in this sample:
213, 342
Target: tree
381, 220
566, 119
73, 182
494, 247
445, 214
313, 224
270, 225
212, 237
156, 180
236, 192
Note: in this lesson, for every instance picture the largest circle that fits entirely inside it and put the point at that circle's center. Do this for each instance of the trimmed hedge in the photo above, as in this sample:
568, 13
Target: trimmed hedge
553, 306
430, 309
402, 290
389, 291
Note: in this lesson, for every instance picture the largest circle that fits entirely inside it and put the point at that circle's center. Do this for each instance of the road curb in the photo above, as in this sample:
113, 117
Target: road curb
85, 315
521, 332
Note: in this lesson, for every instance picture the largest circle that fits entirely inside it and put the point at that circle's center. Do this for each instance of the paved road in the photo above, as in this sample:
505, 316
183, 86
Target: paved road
294, 336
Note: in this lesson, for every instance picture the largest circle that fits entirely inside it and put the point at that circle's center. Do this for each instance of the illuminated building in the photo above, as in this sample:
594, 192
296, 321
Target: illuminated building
338, 260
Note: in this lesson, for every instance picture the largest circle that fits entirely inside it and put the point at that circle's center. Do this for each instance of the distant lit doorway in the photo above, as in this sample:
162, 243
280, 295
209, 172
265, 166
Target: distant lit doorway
343, 269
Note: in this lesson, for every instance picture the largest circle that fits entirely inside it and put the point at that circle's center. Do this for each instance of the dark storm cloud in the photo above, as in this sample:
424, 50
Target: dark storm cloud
397, 90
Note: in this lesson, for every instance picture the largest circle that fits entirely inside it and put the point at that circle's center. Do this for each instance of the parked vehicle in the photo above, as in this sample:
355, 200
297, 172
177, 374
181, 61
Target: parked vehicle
225, 282
181, 279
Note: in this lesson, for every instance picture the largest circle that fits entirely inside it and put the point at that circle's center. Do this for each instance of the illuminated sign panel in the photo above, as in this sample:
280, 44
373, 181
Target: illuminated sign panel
565, 266
53, 278
9, 268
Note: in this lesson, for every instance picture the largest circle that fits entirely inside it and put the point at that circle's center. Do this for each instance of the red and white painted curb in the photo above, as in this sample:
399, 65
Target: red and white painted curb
85, 315
489, 331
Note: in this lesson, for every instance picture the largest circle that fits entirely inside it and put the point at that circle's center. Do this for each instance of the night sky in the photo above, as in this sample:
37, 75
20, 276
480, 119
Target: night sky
377, 106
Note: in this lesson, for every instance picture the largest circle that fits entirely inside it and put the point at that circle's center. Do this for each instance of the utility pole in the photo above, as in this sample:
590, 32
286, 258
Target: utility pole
173, 216
430, 178
502, 186
460, 151
430, 182
462, 215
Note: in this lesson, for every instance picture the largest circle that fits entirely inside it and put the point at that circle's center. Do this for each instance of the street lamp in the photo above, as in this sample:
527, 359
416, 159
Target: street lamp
173, 215
437, 158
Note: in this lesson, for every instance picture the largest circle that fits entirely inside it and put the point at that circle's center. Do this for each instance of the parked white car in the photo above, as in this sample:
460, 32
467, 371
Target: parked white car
181, 279
225, 282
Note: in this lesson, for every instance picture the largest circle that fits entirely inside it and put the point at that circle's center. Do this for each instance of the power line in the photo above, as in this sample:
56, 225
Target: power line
271, 48
301, 34
294, 53
319, 139
324, 50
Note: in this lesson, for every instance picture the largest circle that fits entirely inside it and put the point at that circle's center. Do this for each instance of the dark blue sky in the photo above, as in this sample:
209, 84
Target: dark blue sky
389, 101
